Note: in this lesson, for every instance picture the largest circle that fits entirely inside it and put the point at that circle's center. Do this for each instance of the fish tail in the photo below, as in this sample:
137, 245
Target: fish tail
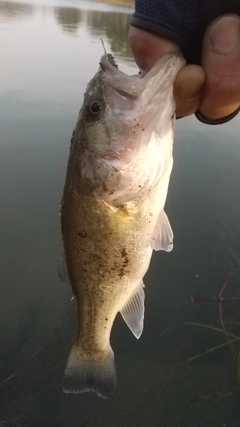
86, 374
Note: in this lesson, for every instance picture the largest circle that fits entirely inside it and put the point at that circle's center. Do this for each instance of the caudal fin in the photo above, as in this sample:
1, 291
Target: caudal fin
83, 374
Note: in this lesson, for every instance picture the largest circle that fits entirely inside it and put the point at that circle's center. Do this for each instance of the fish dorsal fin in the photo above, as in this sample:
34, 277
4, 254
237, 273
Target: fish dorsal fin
62, 269
162, 237
133, 311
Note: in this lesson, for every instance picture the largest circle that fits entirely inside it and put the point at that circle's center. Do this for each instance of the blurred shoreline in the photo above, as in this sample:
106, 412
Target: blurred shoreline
127, 3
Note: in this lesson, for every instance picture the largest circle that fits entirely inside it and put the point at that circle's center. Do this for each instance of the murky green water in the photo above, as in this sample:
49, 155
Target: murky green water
48, 52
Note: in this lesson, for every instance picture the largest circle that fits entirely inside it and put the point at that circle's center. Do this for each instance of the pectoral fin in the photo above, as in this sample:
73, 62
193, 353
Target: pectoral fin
162, 237
133, 311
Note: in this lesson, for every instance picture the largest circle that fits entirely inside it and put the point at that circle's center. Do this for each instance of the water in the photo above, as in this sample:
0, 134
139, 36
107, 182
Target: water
49, 51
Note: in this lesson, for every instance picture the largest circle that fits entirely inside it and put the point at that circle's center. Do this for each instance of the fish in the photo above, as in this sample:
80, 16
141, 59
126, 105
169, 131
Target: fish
112, 212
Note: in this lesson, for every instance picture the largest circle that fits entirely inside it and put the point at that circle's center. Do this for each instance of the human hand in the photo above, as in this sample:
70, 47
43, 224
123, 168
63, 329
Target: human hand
212, 88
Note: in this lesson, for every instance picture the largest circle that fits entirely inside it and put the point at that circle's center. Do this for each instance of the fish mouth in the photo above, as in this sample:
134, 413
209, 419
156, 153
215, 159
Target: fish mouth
125, 94
120, 100
107, 61
119, 88
126, 86
131, 87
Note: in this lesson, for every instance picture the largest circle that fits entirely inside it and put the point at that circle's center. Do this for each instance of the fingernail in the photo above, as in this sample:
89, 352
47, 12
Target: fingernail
189, 89
225, 35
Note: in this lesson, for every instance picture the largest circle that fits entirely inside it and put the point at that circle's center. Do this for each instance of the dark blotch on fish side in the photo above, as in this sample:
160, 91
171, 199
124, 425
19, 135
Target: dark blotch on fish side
125, 262
104, 187
124, 257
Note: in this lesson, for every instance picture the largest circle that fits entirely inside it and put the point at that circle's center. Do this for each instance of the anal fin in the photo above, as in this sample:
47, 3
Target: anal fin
133, 311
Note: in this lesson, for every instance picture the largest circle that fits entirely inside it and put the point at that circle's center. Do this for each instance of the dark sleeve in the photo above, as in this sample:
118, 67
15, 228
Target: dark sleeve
183, 21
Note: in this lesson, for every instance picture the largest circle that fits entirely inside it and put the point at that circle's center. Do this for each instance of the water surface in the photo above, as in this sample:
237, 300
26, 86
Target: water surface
49, 51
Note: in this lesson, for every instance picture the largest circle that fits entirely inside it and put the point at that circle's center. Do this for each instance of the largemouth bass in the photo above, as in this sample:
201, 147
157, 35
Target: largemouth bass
113, 209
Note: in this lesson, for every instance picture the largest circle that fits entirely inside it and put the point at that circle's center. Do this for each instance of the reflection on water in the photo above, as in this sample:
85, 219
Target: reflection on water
68, 18
111, 25
15, 10
114, 25
107, 24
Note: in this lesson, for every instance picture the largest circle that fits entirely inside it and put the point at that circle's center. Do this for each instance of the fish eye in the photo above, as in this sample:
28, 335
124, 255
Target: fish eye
95, 107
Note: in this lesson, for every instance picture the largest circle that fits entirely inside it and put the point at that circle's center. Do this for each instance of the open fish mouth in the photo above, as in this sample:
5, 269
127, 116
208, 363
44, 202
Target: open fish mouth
107, 61
125, 85
121, 100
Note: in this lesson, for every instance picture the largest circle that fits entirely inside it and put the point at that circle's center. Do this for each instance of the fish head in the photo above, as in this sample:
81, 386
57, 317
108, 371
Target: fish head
121, 112
109, 110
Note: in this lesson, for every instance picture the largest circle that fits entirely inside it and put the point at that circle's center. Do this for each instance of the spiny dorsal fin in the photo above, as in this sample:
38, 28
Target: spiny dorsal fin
62, 269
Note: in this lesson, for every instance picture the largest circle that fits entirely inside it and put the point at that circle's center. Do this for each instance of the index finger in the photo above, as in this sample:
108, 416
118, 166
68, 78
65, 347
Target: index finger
147, 48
